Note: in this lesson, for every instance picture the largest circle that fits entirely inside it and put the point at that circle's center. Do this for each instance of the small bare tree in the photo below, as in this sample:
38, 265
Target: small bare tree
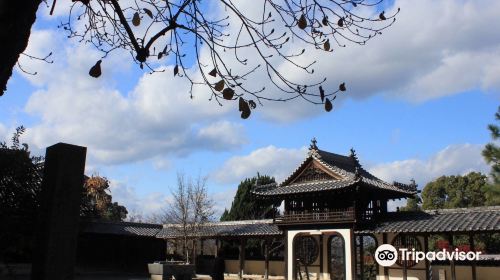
190, 209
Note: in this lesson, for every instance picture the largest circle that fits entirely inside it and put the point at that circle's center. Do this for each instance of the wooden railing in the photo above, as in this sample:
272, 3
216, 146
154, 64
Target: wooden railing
336, 216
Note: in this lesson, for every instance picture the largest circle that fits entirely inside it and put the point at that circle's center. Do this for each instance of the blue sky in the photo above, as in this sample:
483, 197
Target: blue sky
418, 102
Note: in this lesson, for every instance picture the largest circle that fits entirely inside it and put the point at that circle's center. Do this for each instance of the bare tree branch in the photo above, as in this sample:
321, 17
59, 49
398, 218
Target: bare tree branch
187, 31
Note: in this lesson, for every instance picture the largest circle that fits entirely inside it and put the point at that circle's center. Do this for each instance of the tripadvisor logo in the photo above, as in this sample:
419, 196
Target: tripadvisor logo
387, 255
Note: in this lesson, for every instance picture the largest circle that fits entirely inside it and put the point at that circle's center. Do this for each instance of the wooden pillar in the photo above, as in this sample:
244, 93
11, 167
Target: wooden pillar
166, 249
266, 259
473, 249
405, 269
353, 255
201, 247
58, 221
321, 258
194, 242
361, 257
217, 246
241, 258
285, 238
427, 263
452, 262
386, 269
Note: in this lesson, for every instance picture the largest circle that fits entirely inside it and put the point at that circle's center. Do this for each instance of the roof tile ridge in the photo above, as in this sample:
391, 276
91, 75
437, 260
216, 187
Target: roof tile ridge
333, 168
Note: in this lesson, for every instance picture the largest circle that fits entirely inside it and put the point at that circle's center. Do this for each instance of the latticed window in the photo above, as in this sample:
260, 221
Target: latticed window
409, 242
306, 250
366, 266
336, 258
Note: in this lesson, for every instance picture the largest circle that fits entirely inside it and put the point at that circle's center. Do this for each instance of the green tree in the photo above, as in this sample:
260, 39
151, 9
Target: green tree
412, 204
491, 154
20, 179
245, 206
455, 191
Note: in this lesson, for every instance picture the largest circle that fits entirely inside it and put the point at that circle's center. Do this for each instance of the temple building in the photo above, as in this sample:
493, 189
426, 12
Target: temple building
333, 216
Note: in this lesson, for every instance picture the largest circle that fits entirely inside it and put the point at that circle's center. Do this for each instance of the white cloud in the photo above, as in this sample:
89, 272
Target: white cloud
435, 49
156, 118
452, 160
145, 205
270, 160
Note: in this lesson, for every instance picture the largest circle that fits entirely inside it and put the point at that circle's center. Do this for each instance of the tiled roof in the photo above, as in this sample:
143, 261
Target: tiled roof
347, 167
479, 219
447, 220
271, 189
226, 229
121, 228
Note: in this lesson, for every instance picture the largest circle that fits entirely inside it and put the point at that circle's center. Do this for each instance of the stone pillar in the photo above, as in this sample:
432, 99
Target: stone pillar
58, 224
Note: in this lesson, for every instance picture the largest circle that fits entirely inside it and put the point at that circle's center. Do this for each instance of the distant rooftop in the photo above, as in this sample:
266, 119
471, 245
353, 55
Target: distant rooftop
462, 220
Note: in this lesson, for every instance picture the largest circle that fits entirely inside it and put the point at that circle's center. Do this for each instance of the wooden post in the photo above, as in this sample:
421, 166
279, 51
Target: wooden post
361, 257
166, 249
217, 247
321, 257
241, 258
285, 238
426, 249
405, 270
266, 258
193, 251
386, 269
58, 224
472, 248
201, 247
452, 262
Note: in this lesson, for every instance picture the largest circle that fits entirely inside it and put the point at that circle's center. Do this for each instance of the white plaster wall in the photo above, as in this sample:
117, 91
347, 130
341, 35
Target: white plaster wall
345, 233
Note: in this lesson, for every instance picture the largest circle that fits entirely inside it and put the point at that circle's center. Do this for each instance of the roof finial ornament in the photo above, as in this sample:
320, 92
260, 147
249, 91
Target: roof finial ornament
313, 145
313, 148
354, 157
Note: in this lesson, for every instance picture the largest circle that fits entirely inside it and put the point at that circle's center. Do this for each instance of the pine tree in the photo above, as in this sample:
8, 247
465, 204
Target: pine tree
491, 154
245, 206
